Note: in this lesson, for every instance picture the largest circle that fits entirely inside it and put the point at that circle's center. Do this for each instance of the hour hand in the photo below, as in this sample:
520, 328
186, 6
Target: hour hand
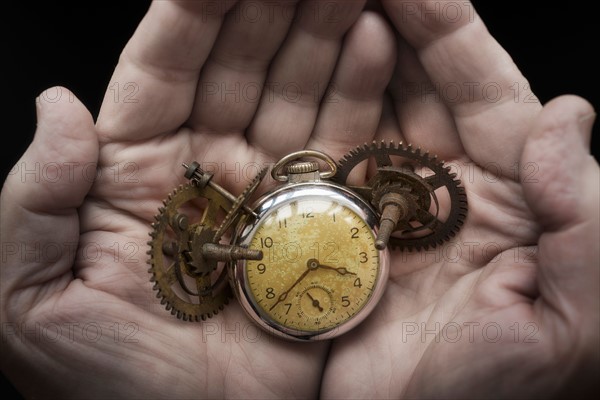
339, 270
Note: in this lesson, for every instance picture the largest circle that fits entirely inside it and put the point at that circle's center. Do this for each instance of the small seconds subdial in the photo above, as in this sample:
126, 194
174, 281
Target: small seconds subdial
315, 303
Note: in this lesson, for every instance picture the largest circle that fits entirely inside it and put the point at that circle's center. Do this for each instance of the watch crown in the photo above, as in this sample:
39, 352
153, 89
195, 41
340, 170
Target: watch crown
303, 167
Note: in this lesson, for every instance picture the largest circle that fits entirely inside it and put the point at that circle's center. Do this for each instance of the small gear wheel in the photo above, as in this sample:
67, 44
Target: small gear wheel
424, 229
180, 277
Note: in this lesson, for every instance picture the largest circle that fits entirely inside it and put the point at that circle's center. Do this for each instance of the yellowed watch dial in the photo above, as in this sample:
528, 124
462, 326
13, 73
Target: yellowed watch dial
319, 268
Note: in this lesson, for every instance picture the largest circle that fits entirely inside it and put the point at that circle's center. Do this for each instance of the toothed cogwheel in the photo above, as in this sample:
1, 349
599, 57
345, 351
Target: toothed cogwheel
425, 230
174, 263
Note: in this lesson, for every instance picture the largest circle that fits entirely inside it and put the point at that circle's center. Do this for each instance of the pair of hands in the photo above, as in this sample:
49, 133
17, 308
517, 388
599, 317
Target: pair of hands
510, 307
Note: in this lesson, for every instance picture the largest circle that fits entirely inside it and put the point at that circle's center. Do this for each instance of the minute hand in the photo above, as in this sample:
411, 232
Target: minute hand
283, 295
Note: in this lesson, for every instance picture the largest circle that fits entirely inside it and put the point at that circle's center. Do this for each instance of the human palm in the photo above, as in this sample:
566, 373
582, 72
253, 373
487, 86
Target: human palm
496, 273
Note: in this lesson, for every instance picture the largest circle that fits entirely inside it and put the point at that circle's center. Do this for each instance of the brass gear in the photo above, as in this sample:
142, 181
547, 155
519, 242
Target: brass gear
240, 201
422, 189
173, 262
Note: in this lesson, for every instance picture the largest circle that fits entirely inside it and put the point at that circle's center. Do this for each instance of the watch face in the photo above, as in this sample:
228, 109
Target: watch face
320, 266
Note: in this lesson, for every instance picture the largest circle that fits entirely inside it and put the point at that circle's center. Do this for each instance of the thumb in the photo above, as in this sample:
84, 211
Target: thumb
40, 226
565, 197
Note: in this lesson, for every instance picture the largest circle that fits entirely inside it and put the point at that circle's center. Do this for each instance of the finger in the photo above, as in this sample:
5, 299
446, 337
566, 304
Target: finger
423, 118
351, 111
233, 77
39, 225
153, 87
488, 97
564, 195
300, 74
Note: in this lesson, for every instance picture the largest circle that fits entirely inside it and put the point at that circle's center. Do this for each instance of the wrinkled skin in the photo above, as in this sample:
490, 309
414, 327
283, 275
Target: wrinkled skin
508, 309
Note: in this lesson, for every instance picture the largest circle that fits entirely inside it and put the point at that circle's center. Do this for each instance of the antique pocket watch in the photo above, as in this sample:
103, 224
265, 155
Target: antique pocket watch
309, 260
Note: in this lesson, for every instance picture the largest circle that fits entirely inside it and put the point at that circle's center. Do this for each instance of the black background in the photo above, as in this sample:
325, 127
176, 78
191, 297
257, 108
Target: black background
77, 45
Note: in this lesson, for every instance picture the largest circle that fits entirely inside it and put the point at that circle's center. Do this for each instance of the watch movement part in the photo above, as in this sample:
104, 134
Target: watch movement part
202, 178
418, 193
172, 255
239, 204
